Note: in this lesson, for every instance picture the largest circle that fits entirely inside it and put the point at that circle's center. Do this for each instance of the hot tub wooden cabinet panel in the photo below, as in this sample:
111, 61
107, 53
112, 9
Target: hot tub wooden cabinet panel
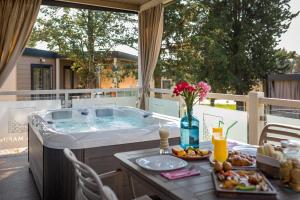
52, 172
54, 175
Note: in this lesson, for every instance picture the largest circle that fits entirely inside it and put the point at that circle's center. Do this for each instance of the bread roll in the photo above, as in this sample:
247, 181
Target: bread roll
268, 150
295, 187
295, 176
260, 150
277, 155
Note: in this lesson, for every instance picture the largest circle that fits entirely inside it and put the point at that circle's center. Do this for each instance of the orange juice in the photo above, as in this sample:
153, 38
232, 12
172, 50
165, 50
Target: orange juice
216, 132
220, 149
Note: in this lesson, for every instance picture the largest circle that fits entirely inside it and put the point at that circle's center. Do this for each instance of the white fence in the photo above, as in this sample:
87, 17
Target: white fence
210, 116
13, 120
250, 122
13, 117
164, 106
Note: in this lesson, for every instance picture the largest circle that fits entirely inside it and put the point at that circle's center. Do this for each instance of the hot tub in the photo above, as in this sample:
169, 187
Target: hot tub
94, 134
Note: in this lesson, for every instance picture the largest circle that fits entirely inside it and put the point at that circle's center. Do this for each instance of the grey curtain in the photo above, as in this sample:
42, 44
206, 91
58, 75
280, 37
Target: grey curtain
289, 89
150, 35
17, 18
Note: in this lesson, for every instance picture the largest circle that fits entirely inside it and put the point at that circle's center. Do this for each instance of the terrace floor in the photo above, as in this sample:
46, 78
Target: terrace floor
15, 180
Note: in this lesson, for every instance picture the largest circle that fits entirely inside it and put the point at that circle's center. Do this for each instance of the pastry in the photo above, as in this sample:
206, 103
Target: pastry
295, 176
285, 170
295, 187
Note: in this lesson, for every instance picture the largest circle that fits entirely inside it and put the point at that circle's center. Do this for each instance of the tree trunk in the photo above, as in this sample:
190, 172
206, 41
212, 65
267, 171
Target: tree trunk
91, 49
157, 84
240, 106
212, 102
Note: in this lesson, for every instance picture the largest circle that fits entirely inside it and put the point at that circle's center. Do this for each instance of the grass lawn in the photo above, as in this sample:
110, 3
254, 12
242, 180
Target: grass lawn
226, 106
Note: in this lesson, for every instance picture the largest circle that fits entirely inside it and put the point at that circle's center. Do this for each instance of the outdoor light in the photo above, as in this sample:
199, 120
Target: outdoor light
42, 60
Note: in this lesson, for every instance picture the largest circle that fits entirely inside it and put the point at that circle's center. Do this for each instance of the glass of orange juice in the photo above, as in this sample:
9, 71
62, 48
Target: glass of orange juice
220, 148
216, 132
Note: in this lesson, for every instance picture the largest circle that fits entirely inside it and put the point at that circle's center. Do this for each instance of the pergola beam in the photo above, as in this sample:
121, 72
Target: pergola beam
106, 4
109, 4
153, 3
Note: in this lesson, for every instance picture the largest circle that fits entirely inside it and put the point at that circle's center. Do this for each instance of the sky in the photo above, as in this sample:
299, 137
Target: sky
290, 40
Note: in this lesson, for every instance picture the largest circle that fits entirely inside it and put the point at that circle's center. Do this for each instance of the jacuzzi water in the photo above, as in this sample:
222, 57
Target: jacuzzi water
84, 128
98, 124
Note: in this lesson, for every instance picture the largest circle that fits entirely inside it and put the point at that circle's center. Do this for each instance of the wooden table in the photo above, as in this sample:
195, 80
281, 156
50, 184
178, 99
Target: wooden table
191, 188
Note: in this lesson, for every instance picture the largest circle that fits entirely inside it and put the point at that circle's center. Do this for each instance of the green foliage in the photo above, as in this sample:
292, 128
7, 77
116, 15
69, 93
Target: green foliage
119, 73
285, 60
296, 64
84, 36
230, 44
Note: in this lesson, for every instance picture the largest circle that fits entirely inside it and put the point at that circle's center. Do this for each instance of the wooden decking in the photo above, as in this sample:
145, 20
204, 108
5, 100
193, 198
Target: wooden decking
16, 182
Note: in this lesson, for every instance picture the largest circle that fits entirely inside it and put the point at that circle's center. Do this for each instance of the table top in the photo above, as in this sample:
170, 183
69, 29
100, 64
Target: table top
192, 188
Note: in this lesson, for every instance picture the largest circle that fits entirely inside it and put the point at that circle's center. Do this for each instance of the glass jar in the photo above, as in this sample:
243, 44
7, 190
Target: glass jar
290, 166
292, 150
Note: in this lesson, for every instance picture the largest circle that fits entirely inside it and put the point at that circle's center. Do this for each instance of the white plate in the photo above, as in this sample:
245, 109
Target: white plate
161, 163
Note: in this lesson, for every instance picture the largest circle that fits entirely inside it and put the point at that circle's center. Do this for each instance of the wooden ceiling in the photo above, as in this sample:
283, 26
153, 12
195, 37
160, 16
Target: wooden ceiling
122, 5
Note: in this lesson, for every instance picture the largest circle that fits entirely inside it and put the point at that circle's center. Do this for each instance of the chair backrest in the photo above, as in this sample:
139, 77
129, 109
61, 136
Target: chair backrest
275, 133
89, 186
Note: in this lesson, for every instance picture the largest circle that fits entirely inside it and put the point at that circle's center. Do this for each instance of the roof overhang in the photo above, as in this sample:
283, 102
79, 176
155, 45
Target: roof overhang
33, 52
117, 5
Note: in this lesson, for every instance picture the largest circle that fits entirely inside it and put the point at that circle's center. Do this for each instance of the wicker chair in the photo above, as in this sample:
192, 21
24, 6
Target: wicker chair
88, 184
275, 133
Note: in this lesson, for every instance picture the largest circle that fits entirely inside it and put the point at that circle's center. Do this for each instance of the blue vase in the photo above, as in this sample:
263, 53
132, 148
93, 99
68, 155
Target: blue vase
189, 131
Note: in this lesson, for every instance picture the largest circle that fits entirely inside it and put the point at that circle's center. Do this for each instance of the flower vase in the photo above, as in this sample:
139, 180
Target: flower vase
189, 130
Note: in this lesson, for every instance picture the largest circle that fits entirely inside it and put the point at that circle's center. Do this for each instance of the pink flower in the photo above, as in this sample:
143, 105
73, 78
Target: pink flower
191, 92
204, 89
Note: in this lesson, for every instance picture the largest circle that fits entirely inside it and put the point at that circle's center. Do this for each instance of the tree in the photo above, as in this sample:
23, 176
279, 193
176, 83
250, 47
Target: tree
230, 44
296, 64
84, 36
120, 72
178, 56
286, 60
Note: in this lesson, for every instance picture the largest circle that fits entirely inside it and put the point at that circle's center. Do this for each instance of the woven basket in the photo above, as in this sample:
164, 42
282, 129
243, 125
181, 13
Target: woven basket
268, 165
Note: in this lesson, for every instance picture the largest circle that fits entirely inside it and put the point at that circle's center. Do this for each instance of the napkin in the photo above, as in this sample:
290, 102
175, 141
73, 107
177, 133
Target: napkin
182, 173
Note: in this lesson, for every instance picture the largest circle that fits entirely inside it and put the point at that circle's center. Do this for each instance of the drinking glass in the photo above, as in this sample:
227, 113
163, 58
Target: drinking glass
220, 148
216, 132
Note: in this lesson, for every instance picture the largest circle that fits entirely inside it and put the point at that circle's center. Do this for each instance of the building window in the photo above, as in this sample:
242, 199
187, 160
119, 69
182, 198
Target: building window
41, 77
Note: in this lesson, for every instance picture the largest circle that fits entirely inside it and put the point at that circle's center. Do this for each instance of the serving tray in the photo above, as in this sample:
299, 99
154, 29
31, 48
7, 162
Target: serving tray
257, 195
191, 158
250, 167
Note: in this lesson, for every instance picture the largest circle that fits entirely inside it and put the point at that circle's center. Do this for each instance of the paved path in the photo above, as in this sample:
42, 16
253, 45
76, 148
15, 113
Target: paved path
16, 182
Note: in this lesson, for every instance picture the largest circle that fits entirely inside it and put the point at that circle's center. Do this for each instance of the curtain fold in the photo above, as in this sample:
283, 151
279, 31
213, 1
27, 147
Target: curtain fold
150, 35
17, 18
285, 89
